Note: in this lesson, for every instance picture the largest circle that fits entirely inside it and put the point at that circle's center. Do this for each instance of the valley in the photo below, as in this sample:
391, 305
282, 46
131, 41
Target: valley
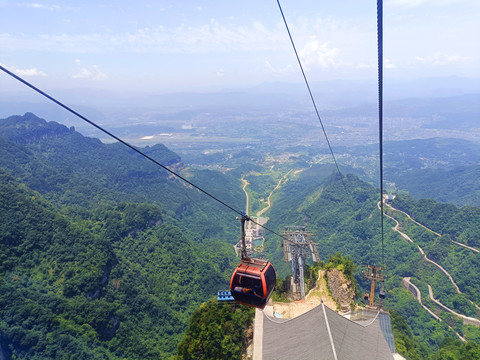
164, 248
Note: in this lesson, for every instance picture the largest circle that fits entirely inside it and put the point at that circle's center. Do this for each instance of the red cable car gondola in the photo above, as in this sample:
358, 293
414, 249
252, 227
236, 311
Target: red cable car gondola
253, 281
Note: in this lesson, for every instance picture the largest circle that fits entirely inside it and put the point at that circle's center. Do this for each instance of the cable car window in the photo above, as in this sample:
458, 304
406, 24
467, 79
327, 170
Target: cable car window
270, 278
247, 284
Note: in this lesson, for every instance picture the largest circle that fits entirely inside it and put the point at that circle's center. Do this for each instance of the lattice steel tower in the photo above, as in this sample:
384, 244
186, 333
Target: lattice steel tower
297, 245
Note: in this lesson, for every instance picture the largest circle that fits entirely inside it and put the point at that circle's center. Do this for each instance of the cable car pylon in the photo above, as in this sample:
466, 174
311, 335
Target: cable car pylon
297, 245
374, 273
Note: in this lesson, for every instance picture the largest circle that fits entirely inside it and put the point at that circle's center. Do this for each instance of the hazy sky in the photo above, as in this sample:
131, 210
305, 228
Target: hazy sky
165, 46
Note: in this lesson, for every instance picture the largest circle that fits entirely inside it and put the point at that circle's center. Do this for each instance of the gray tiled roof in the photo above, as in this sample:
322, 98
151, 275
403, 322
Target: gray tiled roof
321, 333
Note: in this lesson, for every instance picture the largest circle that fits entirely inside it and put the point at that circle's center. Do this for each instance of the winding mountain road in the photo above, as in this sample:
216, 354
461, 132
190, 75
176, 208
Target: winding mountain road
430, 230
244, 188
469, 320
466, 319
245, 183
407, 238
418, 295
269, 203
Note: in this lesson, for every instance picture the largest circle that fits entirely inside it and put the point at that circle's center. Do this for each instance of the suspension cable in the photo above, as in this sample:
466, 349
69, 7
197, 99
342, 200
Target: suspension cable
380, 104
380, 109
130, 146
312, 99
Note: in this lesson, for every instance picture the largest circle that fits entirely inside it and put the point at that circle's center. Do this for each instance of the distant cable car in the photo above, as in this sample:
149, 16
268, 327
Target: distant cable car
253, 281
382, 293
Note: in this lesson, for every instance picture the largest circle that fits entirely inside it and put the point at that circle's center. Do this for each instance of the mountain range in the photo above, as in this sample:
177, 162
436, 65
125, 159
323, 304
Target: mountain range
105, 255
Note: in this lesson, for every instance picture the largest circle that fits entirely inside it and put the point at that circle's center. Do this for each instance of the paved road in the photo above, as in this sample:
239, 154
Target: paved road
466, 319
434, 232
418, 295
407, 238
244, 188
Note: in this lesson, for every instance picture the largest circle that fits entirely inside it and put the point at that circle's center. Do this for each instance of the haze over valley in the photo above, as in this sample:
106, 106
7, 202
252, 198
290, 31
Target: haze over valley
104, 254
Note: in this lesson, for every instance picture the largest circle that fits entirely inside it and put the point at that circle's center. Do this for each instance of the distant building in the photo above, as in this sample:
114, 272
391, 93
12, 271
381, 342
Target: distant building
253, 231
390, 198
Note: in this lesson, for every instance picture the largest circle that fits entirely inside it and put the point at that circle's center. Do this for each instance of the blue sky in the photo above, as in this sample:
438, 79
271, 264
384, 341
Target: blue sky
168, 46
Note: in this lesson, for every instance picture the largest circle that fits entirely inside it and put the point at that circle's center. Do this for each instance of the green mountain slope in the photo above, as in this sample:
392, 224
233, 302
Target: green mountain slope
444, 169
111, 284
108, 255
113, 251
458, 186
72, 170
348, 221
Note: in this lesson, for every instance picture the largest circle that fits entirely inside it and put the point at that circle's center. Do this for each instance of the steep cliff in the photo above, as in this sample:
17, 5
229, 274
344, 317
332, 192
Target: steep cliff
343, 290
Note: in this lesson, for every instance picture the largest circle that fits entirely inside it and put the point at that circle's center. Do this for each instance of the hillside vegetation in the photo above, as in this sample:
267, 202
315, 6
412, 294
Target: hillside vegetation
106, 257
347, 220
118, 283
103, 255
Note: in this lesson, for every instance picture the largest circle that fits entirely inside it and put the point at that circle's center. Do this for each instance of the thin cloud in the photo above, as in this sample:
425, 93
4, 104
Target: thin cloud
209, 37
365, 66
439, 59
275, 70
416, 3
318, 54
25, 72
388, 64
92, 73
42, 6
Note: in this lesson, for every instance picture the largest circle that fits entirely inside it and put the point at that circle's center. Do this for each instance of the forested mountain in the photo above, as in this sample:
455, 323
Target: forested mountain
104, 255
107, 256
345, 218
459, 186
72, 170
462, 109
444, 169
117, 282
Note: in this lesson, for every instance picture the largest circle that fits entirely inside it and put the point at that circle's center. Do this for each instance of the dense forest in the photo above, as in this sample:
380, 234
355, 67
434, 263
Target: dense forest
118, 283
346, 219
103, 255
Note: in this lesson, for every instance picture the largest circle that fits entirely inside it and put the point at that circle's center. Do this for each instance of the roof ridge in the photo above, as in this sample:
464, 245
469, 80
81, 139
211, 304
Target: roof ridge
329, 332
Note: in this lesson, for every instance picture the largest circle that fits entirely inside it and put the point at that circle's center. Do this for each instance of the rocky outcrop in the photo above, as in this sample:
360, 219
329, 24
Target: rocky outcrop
343, 291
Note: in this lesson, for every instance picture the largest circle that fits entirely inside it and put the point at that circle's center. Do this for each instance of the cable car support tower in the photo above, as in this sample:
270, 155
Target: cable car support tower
297, 245
374, 273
